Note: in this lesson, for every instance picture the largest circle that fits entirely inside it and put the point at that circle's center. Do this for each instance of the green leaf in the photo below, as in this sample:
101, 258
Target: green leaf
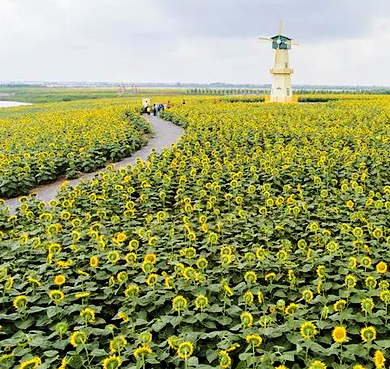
383, 343
76, 362
50, 353
193, 361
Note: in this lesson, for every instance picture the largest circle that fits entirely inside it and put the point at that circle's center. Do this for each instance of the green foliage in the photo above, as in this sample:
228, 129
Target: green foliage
244, 245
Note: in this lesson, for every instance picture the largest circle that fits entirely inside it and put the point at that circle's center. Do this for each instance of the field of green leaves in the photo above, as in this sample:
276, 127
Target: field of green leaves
41, 143
259, 240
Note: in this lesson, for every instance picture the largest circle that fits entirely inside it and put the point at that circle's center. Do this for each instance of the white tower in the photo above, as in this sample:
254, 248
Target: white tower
281, 85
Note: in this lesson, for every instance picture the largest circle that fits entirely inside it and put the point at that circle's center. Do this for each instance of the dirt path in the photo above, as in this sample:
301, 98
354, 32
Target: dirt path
164, 134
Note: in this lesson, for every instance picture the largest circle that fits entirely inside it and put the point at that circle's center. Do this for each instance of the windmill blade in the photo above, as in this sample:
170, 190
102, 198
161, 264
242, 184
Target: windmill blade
280, 27
294, 43
265, 39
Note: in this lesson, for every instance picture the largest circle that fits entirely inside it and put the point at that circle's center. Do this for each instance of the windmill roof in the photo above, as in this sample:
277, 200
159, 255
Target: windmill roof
282, 37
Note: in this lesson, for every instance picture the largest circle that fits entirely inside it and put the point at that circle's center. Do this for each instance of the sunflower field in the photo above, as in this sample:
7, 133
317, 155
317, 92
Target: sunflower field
39, 144
259, 240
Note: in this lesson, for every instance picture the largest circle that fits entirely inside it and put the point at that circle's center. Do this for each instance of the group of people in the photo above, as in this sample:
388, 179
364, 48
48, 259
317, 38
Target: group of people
147, 109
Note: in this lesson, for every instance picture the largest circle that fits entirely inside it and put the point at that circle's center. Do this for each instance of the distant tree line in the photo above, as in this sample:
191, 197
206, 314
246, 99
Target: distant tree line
226, 91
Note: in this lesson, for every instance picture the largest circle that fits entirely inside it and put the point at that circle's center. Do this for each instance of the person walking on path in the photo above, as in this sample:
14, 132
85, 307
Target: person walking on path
155, 109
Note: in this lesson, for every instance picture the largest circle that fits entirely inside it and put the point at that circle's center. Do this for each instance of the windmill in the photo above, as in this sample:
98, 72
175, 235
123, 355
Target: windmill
281, 85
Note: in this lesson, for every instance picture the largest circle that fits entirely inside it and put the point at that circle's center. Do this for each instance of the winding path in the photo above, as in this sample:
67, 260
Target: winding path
164, 134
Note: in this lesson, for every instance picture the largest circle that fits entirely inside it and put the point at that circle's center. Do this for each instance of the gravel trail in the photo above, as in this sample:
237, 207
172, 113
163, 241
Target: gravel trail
164, 134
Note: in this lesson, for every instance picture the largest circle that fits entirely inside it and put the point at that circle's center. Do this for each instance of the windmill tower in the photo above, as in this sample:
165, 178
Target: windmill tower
281, 85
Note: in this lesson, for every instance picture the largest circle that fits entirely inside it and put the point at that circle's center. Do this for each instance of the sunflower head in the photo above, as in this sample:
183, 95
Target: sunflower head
339, 305
33, 363
132, 291
94, 261
201, 302
250, 277
78, 338
248, 298
379, 359
367, 305
59, 279
88, 315
381, 267
246, 319
112, 362
368, 334
224, 359
179, 303
254, 340
20, 302
308, 330
185, 350
317, 365
307, 295
117, 344
339, 334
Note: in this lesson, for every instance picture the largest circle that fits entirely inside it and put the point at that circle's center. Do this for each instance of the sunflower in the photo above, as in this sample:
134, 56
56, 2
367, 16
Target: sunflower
377, 233
189, 273
291, 309
151, 258
117, 344
122, 315
321, 271
145, 337
94, 261
202, 263
201, 302
151, 280
246, 319
379, 359
385, 296
112, 362
132, 291
59, 280
254, 340
173, 342
120, 238
350, 281
367, 305
224, 359
56, 295
113, 256
370, 282
339, 305
366, 262
88, 315
270, 276
20, 302
381, 267
122, 277
185, 350
31, 364
307, 295
78, 338
250, 277
317, 365
368, 334
308, 330
82, 295
339, 334
131, 258
248, 298
179, 303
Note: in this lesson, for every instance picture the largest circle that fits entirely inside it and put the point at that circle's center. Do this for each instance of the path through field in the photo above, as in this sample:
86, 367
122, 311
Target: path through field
164, 134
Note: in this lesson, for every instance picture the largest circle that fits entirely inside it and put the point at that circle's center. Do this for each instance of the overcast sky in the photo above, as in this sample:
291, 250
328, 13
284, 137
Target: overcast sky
342, 41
